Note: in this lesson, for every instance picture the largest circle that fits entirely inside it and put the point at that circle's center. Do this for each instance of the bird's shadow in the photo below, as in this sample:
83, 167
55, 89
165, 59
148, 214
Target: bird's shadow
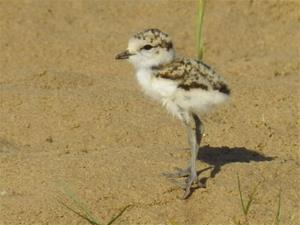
216, 157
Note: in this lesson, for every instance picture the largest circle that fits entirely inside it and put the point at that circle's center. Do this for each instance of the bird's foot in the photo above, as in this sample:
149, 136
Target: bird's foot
178, 173
190, 182
192, 179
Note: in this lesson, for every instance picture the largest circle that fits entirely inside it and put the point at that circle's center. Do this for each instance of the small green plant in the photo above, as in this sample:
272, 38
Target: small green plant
200, 16
246, 205
173, 222
83, 211
277, 216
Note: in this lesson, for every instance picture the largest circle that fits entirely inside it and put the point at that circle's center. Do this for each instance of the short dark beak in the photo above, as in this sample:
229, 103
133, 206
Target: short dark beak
124, 55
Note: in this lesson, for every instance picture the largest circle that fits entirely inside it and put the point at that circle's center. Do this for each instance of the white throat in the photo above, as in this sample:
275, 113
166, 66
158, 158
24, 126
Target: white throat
157, 88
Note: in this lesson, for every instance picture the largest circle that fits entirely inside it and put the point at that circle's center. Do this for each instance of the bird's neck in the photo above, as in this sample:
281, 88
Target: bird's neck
162, 66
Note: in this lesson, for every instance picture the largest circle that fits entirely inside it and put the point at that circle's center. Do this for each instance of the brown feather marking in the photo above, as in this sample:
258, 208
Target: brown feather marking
192, 86
192, 74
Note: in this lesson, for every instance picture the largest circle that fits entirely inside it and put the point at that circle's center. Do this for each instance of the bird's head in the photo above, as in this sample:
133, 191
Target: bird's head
149, 48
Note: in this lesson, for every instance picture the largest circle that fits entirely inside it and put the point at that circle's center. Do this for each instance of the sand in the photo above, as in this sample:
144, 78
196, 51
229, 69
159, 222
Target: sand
71, 115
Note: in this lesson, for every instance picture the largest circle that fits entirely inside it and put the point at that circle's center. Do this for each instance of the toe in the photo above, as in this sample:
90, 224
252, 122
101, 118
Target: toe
186, 194
189, 182
178, 173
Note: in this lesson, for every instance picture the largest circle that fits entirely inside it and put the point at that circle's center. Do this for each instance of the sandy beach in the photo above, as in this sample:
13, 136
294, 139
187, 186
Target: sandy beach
71, 115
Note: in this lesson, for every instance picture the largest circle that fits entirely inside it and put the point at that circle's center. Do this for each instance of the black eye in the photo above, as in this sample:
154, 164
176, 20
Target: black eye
147, 47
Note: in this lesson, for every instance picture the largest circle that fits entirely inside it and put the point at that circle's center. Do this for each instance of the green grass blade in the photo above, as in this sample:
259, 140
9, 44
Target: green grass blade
83, 211
92, 222
118, 215
241, 195
86, 212
248, 205
251, 198
200, 16
277, 217
236, 222
173, 222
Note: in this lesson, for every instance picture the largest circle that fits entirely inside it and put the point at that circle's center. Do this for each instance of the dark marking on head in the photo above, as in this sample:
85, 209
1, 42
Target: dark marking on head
156, 32
167, 45
153, 30
147, 47
156, 37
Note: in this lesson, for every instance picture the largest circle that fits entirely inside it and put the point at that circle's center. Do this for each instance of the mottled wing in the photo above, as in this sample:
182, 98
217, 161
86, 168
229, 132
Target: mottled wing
193, 74
173, 71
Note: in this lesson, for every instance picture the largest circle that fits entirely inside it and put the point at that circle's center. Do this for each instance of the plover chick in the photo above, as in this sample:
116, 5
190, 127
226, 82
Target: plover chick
186, 87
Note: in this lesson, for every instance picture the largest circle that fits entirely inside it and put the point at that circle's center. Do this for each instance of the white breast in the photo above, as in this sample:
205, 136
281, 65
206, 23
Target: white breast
157, 88
176, 99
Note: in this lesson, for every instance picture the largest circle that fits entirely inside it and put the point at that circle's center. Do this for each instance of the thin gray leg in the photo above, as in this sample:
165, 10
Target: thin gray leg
194, 141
